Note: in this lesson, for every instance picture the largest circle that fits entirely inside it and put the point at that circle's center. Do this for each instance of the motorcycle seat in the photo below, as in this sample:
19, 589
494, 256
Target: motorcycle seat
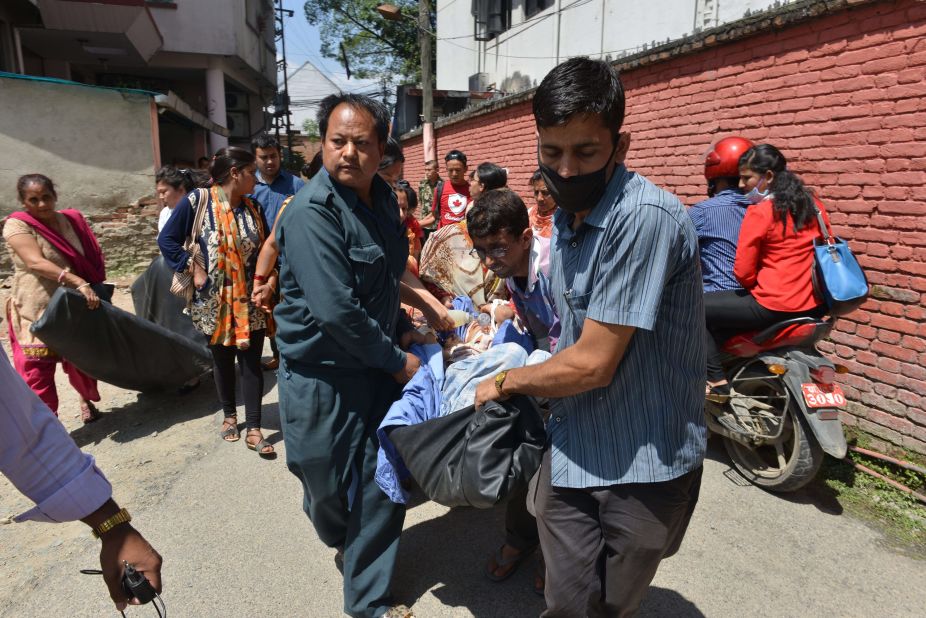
796, 332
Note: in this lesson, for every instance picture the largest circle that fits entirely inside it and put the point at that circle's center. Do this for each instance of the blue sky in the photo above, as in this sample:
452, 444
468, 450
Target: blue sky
302, 43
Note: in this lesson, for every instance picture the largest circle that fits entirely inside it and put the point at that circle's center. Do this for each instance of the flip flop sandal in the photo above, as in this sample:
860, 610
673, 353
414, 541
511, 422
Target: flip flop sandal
259, 448
501, 563
230, 433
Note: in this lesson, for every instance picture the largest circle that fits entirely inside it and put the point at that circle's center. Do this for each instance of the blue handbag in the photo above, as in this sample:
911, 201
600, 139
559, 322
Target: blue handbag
837, 277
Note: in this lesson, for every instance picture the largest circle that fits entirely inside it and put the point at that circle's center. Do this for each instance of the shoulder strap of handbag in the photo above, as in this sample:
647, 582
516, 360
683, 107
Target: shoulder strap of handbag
439, 191
202, 199
822, 224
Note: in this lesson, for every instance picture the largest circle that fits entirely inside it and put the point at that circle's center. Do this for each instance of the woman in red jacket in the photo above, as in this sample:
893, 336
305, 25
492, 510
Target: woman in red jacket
774, 257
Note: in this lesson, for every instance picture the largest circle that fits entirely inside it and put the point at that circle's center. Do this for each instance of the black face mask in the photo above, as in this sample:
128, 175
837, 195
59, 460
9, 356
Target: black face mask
576, 193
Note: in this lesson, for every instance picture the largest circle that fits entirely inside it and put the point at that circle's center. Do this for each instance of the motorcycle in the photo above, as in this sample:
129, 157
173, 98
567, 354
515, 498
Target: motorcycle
782, 414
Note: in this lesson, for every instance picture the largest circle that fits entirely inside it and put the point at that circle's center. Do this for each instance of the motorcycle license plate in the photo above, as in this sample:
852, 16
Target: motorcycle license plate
816, 397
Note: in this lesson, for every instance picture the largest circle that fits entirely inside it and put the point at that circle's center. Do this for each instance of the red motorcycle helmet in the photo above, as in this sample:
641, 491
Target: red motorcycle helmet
723, 161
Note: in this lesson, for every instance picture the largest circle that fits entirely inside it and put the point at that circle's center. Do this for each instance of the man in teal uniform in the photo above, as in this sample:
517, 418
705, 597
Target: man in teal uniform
341, 368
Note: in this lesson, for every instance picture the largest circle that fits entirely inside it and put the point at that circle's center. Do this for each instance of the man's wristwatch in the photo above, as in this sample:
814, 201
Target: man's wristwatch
121, 517
500, 381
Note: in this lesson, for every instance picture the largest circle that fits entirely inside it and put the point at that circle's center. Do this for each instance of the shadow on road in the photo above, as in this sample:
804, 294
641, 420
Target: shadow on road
156, 411
151, 412
817, 493
665, 602
448, 554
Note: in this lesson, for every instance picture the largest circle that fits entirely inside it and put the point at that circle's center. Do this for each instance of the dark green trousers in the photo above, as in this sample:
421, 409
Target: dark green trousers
329, 419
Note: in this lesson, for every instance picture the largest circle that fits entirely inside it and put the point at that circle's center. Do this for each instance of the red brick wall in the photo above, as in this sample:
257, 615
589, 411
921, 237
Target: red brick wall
844, 96
506, 137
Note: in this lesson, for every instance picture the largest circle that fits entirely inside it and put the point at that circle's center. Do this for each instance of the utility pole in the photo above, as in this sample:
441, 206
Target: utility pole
424, 41
393, 13
427, 90
282, 99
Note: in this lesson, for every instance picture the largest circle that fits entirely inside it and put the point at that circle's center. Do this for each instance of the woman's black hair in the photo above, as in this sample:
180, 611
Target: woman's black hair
227, 158
374, 108
39, 179
311, 168
495, 211
404, 185
491, 176
184, 179
392, 154
577, 87
536, 176
789, 193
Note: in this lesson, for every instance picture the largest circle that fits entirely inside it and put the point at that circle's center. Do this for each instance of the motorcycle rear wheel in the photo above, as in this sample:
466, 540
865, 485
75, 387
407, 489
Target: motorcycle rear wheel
789, 463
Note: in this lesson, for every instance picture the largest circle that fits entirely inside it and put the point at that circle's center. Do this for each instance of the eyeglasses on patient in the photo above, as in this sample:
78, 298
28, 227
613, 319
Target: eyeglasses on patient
497, 252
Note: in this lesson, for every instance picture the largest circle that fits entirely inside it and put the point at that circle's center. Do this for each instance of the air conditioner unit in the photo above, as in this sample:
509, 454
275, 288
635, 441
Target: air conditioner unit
236, 102
239, 125
478, 82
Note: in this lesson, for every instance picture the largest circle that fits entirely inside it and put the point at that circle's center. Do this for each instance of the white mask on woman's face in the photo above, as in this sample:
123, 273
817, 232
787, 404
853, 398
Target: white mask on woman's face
755, 195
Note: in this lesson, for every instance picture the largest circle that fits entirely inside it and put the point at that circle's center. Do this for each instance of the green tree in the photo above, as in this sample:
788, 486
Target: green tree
373, 45
310, 128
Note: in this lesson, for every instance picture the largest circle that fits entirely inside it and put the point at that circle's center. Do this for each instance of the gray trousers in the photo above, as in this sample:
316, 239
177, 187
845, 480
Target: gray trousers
602, 545
329, 419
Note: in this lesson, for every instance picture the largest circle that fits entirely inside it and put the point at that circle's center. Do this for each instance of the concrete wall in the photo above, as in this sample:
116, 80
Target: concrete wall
234, 29
95, 144
521, 56
843, 95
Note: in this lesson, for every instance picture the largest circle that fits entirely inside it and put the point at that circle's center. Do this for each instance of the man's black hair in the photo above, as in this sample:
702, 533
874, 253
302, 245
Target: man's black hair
495, 211
455, 155
393, 154
358, 101
536, 176
265, 140
311, 168
491, 176
580, 86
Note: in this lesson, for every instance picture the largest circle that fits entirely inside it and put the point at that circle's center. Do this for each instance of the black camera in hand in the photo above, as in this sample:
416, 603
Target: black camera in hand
136, 586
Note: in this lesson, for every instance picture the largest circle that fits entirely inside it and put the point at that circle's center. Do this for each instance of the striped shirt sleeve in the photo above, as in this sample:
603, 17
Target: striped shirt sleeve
640, 255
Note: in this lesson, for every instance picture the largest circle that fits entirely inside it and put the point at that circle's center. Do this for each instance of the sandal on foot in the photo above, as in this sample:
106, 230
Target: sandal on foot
718, 393
260, 446
88, 412
497, 561
399, 611
540, 578
230, 429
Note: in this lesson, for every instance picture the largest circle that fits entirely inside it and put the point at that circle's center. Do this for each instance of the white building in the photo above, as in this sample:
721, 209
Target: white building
308, 85
512, 44
213, 61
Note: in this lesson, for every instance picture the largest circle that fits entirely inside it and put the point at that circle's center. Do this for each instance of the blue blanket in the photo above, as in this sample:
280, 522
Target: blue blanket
420, 401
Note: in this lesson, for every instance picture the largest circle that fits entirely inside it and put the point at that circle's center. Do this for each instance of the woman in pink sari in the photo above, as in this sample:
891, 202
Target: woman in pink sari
49, 249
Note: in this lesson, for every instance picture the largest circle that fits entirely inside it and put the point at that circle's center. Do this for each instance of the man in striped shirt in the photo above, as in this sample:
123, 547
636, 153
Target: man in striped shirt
717, 219
617, 487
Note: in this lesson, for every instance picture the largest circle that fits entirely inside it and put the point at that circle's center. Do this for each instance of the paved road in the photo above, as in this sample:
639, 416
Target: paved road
236, 543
